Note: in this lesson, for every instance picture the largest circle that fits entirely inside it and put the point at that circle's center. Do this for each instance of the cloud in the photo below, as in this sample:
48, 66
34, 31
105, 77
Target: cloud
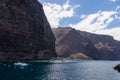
115, 32
98, 23
56, 12
82, 16
118, 12
113, 0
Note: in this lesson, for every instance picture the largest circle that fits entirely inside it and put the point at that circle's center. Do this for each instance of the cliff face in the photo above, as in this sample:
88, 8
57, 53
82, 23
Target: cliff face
71, 42
25, 33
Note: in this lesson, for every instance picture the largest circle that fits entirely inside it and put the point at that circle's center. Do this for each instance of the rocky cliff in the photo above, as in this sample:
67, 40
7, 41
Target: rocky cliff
78, 44
25, 33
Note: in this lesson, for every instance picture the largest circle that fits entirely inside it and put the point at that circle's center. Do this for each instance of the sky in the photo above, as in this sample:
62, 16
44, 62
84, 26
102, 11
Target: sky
94, 16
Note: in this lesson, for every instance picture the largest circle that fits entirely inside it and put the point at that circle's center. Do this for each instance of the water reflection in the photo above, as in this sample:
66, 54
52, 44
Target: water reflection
80, 70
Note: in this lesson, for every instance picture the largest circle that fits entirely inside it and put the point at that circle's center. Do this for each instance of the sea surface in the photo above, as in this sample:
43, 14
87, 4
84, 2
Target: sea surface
60, 70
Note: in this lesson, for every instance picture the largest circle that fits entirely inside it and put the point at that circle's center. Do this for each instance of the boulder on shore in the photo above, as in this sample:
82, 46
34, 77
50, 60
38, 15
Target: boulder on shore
117, 67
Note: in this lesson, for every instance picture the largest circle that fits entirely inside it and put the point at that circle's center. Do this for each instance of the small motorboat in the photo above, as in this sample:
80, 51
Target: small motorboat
20, 64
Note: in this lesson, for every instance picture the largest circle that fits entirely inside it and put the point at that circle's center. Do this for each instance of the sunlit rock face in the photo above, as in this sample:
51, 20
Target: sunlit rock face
25, 33
84, 45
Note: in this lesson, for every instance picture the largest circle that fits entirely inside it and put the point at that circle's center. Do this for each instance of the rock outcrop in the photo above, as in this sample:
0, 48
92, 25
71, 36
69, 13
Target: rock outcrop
25, 33
117, 67
70, 42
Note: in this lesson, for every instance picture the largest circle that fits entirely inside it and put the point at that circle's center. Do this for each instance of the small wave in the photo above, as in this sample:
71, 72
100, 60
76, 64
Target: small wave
64, 61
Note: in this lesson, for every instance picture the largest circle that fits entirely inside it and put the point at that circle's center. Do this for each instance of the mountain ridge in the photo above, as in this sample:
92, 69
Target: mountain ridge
99, 47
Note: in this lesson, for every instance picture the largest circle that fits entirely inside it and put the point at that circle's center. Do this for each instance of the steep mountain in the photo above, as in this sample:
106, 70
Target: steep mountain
25, 33
77, 44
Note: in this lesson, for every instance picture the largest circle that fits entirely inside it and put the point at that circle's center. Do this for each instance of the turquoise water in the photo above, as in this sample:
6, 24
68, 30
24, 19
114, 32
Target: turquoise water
57, 70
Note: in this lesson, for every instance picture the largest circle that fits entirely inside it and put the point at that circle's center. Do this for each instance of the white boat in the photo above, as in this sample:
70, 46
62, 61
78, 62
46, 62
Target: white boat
20, 64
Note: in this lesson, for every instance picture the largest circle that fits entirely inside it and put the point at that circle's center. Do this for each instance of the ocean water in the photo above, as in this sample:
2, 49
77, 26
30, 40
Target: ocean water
60, 70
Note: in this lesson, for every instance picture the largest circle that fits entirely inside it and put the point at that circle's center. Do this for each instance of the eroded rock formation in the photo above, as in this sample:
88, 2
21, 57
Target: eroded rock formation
25, 33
